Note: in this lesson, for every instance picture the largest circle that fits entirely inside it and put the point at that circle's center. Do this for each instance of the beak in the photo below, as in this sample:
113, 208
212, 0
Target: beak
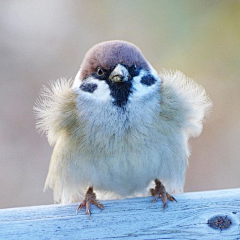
119, 74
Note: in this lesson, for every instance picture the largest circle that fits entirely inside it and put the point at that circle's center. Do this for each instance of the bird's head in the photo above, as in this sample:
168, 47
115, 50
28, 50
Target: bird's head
116, 71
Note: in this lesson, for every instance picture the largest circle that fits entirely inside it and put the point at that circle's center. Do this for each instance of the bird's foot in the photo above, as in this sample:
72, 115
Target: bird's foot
160, 191
90, 198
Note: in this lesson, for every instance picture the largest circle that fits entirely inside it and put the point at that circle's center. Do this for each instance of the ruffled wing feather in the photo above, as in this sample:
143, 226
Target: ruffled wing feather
56, 110
184, 103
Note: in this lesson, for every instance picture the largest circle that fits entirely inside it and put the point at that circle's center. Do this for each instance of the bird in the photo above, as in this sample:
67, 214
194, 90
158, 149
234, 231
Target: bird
119, 127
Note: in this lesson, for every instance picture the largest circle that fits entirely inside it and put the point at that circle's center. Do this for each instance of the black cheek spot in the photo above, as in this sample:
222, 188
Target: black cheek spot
88, 87
148, 80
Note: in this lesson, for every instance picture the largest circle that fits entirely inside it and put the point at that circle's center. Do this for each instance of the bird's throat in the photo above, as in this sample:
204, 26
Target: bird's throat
120, 92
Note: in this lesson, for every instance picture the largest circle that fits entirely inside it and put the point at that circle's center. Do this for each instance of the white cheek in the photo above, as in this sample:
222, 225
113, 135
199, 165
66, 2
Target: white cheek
76, 82
155, 74
102, 93
142, 90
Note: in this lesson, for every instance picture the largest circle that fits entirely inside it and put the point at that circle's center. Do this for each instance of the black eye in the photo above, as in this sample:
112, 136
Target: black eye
133, 70
100, 72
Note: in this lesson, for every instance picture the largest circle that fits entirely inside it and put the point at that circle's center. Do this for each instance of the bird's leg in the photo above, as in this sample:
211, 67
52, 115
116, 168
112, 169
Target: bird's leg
90, 198
160, 191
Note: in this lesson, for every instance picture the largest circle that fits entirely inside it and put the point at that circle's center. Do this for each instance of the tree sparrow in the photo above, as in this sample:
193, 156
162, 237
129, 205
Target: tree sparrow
118, 126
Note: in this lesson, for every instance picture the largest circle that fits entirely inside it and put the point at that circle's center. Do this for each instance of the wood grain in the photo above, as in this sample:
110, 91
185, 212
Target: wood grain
128, 219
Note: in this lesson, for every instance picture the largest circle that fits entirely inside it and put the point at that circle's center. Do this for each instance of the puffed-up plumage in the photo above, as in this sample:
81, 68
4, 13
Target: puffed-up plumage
120, 150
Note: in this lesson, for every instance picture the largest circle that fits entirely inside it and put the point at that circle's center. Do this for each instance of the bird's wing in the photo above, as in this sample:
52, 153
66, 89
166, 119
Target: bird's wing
56, 110
184, 103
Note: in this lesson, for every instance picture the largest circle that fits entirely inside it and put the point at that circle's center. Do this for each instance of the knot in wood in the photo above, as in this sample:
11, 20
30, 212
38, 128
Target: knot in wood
220, 222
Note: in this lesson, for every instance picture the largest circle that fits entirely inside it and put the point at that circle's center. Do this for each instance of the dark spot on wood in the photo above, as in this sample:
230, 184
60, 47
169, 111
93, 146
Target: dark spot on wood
148, 80
220, 222
88, 87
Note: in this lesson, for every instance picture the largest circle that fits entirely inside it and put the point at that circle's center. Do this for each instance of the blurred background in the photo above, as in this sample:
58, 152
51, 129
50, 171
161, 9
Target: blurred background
44, 40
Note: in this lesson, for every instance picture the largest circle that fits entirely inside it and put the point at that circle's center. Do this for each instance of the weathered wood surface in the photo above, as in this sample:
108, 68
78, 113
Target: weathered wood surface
128, 219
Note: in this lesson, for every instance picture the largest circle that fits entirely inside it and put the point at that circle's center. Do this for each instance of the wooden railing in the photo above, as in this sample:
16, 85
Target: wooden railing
197, 215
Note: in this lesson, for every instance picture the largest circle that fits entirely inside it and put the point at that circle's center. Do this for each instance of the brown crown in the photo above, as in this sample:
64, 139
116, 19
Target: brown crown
109, 54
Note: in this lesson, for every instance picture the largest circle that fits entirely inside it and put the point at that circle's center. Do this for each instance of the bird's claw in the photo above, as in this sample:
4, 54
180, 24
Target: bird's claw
160, 191
81, 206
165, 205
90, 198
171, 198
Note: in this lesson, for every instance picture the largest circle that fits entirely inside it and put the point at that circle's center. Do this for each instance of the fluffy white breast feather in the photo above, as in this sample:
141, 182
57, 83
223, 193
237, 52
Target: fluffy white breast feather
154, 144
